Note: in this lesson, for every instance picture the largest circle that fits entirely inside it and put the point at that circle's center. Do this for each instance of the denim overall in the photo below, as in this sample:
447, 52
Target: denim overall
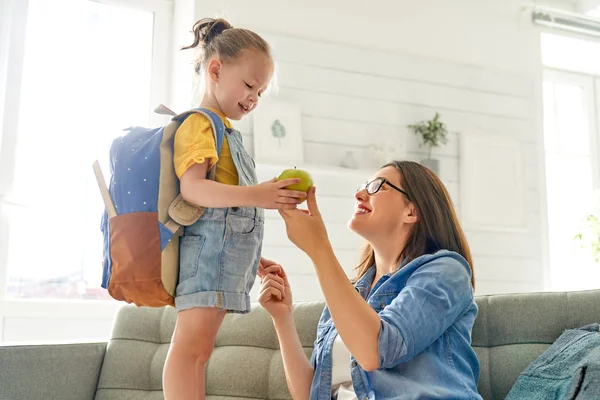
219, 254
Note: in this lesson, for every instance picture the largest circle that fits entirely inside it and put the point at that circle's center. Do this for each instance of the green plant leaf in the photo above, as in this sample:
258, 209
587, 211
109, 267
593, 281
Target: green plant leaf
433, 132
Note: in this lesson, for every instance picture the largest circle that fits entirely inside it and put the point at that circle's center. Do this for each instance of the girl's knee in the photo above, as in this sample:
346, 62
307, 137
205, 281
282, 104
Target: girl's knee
195, 333
193, 346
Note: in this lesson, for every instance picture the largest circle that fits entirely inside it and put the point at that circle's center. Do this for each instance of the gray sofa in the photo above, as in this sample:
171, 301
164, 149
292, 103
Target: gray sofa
510, 331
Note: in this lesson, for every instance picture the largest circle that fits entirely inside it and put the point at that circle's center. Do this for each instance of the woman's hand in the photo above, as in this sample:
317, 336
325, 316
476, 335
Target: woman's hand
275, 294
305, 228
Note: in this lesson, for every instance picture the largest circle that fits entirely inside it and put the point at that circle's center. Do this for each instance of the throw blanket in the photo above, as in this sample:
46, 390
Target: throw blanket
569, 369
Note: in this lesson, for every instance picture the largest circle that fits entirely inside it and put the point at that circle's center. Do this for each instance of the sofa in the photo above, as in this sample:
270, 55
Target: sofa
510, 332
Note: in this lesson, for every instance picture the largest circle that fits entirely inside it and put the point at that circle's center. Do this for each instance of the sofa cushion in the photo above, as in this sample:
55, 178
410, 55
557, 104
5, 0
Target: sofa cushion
50, 371
246, 361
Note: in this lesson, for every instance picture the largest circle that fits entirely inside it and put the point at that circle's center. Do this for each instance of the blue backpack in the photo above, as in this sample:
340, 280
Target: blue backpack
144, 212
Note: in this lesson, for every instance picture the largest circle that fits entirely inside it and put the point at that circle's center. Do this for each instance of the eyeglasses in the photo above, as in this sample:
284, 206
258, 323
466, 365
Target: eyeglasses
375, 185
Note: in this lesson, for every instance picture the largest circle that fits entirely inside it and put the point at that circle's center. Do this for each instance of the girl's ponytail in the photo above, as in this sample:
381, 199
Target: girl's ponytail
206, 30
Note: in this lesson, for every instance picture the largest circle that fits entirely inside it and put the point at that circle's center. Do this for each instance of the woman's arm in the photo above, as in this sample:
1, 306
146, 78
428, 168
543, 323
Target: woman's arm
356, 322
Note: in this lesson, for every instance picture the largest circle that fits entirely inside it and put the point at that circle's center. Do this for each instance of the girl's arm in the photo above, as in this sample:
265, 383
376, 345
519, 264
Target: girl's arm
276, 298
298, 370
196, 189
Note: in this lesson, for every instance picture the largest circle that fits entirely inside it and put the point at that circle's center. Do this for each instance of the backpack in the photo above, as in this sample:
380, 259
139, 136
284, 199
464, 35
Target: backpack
144, 212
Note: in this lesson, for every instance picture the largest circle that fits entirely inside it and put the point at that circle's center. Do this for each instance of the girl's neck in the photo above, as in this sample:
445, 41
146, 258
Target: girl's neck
209, 101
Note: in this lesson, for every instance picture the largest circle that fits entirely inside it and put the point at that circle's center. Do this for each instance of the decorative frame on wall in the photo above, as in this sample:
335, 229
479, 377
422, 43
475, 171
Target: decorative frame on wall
492, 183
278, 133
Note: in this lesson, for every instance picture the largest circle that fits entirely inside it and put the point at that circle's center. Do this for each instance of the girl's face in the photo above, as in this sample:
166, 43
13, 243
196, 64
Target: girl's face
237, 85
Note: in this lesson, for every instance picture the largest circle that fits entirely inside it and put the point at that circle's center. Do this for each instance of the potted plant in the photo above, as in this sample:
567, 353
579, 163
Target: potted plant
433, 134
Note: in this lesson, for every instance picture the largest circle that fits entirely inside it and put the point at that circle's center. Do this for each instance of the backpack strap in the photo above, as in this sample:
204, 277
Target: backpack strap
180, 211
111, 211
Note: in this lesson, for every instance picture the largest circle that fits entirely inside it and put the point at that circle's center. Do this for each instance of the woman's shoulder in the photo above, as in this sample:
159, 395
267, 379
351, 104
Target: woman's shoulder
443, 260
443, 269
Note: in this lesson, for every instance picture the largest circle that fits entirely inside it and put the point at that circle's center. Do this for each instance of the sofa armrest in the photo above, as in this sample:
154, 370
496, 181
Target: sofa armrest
50, 371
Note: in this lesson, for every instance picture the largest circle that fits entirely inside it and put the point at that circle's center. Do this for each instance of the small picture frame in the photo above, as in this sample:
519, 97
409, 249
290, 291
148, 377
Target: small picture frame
278, 133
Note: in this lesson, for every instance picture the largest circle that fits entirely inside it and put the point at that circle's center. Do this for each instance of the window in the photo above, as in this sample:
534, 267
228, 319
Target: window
570, 54
595, 12
90, 69
571, 109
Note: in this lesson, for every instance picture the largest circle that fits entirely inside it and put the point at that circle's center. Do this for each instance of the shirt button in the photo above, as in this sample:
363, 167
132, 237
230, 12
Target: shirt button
382, 305
354, 364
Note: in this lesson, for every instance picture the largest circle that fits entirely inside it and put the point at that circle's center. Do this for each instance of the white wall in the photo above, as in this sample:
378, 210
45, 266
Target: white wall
359, 71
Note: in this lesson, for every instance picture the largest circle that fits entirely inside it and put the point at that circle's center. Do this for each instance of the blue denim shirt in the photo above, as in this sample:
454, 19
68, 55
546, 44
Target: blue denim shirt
427, 313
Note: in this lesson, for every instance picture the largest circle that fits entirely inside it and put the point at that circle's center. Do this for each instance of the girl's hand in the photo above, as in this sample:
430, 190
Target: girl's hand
264, 263
271, 195
305, 228
275, 294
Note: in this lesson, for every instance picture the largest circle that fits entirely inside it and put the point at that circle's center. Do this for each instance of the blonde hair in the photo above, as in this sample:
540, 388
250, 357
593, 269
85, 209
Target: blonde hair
218, 37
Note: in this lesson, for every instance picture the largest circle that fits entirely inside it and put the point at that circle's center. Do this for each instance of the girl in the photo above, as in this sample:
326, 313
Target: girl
219, 254
403, 330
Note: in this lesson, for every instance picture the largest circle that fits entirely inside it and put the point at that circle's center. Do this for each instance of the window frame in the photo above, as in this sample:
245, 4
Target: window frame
591, 85
13, 27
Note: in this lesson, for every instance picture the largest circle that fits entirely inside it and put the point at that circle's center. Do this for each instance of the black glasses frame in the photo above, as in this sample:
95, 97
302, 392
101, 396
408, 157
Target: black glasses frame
383, 181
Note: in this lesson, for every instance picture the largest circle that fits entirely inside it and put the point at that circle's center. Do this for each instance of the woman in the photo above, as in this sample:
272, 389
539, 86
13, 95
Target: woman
402, 329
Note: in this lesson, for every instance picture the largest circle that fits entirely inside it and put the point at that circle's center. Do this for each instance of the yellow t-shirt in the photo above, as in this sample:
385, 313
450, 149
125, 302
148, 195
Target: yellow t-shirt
195, 143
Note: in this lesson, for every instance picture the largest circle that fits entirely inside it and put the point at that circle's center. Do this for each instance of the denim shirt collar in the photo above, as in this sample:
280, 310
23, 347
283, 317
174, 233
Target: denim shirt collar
363, 285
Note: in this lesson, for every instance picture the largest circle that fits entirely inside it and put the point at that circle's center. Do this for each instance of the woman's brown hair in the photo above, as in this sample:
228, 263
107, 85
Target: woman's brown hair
218, 37
437, 226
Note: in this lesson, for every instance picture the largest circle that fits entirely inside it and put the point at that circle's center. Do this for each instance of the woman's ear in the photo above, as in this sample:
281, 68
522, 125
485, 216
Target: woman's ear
411, 215
214, 69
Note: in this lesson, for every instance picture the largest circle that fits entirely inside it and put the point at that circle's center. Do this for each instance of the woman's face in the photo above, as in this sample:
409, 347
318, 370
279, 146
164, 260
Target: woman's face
384, 214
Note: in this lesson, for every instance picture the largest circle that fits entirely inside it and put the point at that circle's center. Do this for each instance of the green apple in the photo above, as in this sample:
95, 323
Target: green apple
306, 181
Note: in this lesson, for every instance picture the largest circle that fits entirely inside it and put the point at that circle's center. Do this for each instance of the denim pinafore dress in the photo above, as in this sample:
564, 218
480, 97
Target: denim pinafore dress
219, 254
